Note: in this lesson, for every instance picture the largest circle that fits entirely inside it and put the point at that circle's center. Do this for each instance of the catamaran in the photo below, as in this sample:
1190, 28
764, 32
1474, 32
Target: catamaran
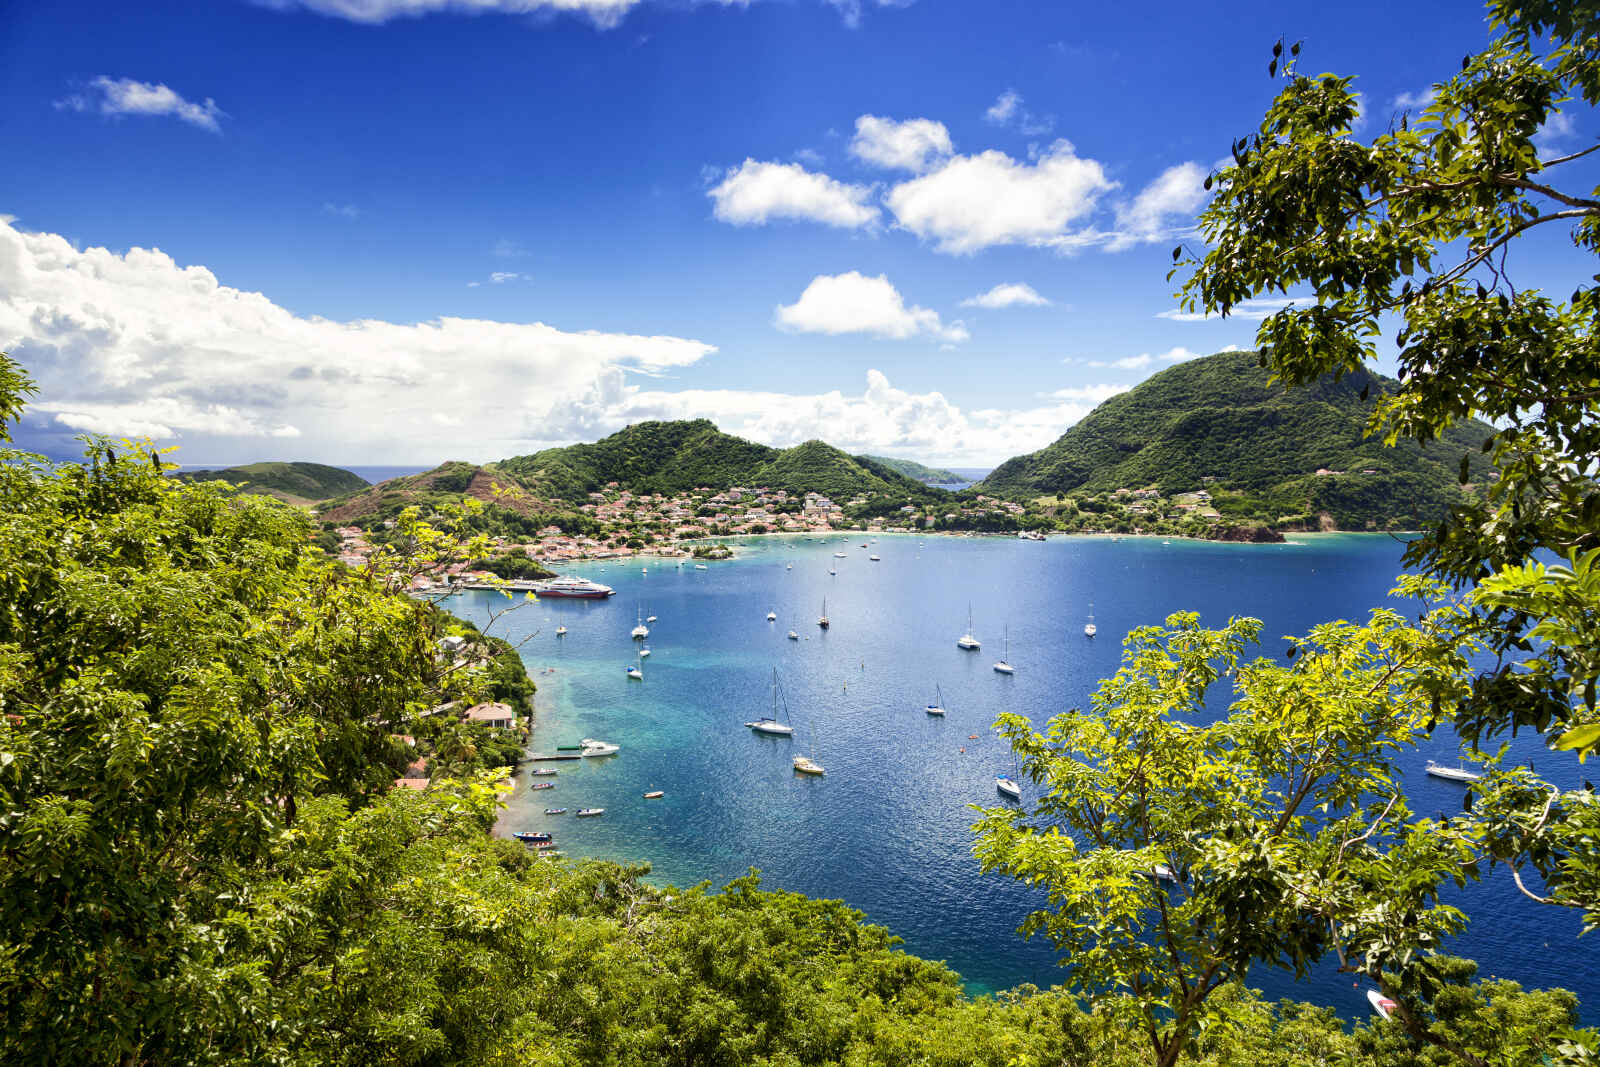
640, 630
769, 724
966, 641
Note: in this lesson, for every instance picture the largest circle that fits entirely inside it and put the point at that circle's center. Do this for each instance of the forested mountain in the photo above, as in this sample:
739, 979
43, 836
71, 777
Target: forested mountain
1217, 423
921, 472
667, 457
301, 481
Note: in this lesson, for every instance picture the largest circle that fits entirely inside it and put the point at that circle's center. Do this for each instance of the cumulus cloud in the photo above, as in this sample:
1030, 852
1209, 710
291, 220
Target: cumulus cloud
1556, 128
135, 344
754, 193
976, 202
910, 145
1146, 359
125, 96
1409, 101
855, 303
1246, 310
882, 419
604, 13
1172, 198
1005, 295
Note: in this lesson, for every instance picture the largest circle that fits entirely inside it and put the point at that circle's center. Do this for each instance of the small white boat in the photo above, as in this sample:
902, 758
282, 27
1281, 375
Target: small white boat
770, 724
793, 636
699, 566
966, 641
591, 747
649, 618
1162, 873
937, 707
590, 812
832, 571
655, 794
772, 616
643, 652
789, 567
1381, 1004
1008, 785
636, 675
640, 631
874, 557
838, 555
806, 765
1003, 664
1453, 774
561, 631
1089, 629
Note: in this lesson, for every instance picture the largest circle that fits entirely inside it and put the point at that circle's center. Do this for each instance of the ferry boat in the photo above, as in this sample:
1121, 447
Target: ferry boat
570, 585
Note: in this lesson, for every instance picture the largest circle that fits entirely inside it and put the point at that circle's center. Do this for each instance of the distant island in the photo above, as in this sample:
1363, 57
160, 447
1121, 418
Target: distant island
295, 483
912, 469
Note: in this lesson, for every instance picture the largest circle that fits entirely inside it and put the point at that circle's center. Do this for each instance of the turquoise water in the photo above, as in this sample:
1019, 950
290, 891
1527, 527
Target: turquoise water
887, 830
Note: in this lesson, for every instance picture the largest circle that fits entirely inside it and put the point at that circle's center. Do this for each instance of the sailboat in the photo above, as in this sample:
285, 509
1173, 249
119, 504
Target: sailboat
937, 707
772, 616
822, 620
1007, 783
640, 630
966, 641
1003, 664
1089, 628
635, 673
1453, 774
769, 724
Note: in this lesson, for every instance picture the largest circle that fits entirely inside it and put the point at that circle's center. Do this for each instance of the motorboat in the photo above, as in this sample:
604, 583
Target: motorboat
643, 652
839, 555
591, 747
530, 835
875, 557
555, 811
1453, 774
1008, 785
793, 636
590, 812
541, 785
655, 794
570, 585
1381, 1004
649, 618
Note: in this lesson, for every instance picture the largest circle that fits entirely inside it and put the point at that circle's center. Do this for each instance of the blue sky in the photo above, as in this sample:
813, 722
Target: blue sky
396, 231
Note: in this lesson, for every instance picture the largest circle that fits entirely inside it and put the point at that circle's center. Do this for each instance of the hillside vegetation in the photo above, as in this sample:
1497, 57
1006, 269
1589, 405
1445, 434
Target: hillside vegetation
669, 457
300, 481
1217, 423
921, 472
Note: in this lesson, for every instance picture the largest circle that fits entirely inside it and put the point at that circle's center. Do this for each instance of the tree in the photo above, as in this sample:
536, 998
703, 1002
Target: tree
1415, 230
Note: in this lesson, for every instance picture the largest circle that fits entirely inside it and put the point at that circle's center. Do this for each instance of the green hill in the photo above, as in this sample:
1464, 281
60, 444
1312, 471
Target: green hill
1217, 423
299, 481
912, 469
668, 457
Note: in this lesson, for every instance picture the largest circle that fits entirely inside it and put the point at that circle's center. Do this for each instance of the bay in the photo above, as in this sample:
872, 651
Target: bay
888, 829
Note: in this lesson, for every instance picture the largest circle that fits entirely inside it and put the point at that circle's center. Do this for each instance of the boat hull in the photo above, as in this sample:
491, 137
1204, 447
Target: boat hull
567, 594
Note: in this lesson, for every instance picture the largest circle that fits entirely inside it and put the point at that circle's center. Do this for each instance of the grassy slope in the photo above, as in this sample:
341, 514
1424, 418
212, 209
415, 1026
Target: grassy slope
302, 481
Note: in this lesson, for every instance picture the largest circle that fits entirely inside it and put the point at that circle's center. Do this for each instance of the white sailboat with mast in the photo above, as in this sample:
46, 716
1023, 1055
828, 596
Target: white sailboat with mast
966, 641
937, 707
1089, 628
770, 724
1003, 664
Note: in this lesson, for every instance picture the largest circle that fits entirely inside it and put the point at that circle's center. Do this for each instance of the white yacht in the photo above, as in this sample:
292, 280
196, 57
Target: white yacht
1003, 664
561, 631
806, 765
649, 618
874, 557
643, 652
937, 707
1089, 628
591, 747
772, 616
793, 636
1008, 785
640, 630
635, 674
966, 641
770, 724
1453, 774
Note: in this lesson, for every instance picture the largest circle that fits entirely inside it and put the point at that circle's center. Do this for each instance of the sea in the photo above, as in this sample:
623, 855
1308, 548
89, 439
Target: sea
888, 829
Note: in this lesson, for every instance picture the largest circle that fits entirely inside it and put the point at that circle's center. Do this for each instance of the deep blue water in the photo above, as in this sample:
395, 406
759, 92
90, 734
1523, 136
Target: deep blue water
887, 830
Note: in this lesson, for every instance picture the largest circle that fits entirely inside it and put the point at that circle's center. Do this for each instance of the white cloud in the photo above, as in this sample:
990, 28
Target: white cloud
1557, 127
1409, 101
1175, 194
1007, 294
754, 193
604, 13
343, 211
500, 277
124, 96
1008, 110
976, 202
1090, 394
1246, 310
1147, 359
913, 145
850, 10
882, 419
135, 344
855, 303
